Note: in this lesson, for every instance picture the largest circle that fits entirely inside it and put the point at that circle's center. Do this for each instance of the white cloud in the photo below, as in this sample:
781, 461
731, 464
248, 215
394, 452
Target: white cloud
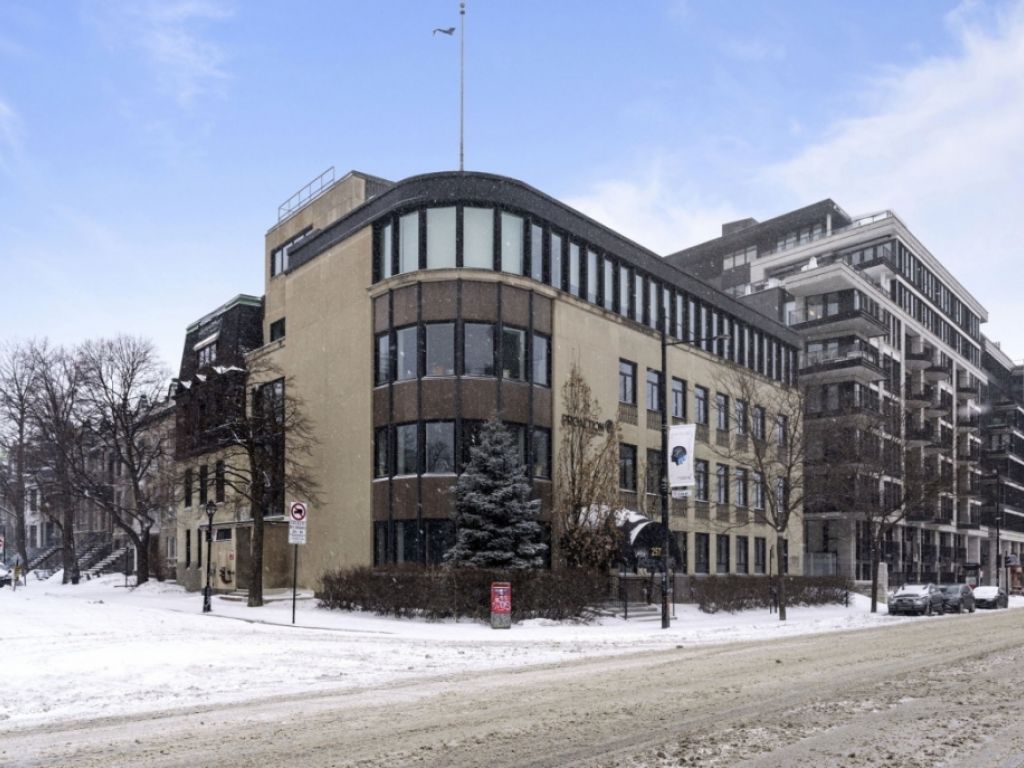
940, 142
172, 35
654, 210
943, 145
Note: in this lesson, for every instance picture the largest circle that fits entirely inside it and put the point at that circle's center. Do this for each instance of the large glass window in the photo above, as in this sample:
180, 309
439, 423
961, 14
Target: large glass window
409, 242
513, 354
405, 450
654, 470
440, 447
700, 476
638, 299
479, 352
385, 252
511, 244
741, 417
760, 554
440, 237
440, 349
758, 490
701, 552
478, 238
624, 291
700, 395
782, 430
627, 467
627, 382
406, 353
653, 390
608, 290
722, 484
536, 253
757, 426
469, 438
380, 452
722, 553
574, 270
541, 452
541, 360
383, 359
741, 487
679, 398
722, 416
742, 553
555, 257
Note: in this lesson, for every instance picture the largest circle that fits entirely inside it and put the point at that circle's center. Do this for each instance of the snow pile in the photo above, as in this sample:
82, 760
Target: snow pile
100, 649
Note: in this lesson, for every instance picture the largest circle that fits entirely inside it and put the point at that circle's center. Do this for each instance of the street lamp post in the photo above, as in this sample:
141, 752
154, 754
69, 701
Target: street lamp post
665, 344
211, 508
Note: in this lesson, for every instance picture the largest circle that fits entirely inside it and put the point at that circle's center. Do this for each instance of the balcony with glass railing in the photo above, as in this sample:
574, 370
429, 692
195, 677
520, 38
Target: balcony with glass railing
843, 364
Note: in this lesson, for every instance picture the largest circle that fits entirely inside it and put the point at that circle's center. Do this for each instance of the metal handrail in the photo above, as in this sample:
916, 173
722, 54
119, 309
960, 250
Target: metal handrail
306, 195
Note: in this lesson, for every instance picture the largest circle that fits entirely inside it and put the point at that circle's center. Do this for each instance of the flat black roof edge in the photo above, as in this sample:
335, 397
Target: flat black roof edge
450, 187
728, 243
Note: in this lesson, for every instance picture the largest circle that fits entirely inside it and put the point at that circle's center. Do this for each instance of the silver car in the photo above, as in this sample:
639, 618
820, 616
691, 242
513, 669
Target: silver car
919, 599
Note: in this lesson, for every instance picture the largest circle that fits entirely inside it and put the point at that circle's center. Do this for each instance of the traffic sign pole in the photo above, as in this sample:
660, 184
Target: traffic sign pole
296, 535
295, 575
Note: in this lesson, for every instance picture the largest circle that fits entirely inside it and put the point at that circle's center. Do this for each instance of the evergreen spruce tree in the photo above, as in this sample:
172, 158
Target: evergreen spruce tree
495, 520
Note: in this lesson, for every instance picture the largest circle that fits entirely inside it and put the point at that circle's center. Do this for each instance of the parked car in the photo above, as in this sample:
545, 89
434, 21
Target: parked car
990, 597
5, 575
957, 598
922, 599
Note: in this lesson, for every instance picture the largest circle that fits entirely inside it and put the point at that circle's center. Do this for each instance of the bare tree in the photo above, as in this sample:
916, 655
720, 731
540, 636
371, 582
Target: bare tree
587, 487
55, 414
17, 382
265, 446
125, 420
773, 444
861, 467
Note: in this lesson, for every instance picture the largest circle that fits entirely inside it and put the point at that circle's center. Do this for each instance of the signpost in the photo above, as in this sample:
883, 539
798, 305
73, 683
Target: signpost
297, 512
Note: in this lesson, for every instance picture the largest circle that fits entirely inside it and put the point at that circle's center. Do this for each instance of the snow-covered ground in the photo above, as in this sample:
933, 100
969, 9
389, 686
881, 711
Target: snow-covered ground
101, 649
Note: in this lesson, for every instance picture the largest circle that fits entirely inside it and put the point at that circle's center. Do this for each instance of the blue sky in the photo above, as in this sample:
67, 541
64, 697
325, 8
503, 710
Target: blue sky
145, 146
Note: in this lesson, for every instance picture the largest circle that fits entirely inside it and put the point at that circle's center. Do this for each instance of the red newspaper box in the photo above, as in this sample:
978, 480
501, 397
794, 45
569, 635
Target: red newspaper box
501, 605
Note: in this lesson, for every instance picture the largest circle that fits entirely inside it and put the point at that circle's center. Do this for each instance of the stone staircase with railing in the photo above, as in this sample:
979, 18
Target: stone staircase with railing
114, 561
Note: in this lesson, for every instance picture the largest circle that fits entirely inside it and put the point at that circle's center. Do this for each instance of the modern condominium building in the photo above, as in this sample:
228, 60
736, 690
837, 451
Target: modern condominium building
1002, 429
886, 330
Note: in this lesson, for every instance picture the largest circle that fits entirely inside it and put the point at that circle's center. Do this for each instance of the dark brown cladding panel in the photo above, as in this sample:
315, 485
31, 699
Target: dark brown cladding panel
440, 301
480, 301
380, 406
380, 500
479, 398
405, 306
542, 407
437, 496
380, 314
515, 306
405, 495
405, 401
542, 314
515, 402
438, 398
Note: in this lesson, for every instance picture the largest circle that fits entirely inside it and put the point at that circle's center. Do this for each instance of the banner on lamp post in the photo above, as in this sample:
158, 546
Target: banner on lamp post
680, 455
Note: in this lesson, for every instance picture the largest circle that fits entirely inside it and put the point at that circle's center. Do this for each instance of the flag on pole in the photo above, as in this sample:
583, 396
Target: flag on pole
680, 455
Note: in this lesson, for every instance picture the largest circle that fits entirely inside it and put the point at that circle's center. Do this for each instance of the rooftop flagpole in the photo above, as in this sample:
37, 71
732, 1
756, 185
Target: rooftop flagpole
462, 78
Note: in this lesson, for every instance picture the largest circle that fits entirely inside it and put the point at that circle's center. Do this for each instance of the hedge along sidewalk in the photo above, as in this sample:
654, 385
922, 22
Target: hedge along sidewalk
446, 593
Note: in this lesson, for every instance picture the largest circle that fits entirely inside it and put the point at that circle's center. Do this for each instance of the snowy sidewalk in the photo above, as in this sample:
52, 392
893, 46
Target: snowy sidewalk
100, 649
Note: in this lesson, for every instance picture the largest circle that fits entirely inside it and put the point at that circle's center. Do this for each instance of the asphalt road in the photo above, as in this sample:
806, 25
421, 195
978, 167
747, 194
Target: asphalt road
944, 691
